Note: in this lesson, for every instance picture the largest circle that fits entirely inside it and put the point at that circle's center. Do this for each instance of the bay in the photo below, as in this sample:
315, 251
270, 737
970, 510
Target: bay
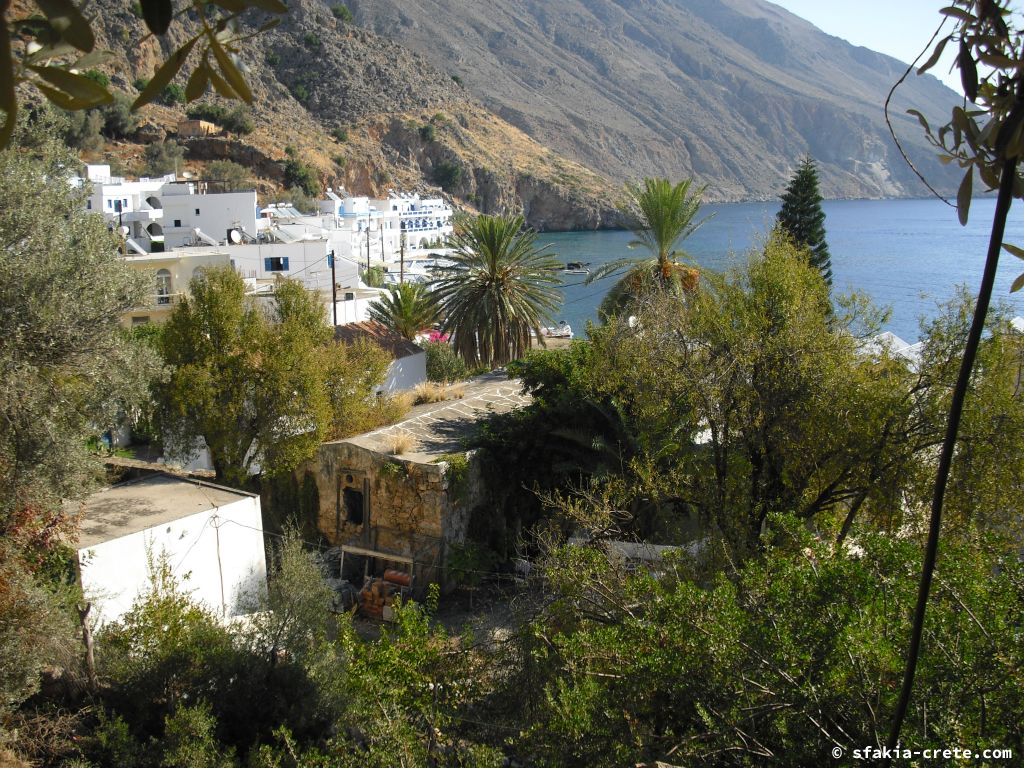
908, 255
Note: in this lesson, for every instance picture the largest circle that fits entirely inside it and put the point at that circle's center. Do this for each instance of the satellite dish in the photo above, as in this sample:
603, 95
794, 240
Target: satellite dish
235, 236
186, 174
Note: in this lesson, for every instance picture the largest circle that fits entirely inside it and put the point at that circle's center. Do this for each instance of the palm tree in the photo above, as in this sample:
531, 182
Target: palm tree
408, 308
498, 290
663, 215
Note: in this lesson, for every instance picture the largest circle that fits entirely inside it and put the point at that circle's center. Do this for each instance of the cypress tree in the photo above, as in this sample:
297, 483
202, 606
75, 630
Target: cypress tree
803, 220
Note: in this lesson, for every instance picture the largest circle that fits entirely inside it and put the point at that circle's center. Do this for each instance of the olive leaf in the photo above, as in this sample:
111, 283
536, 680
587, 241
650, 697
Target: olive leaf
157, 14
163, 76
69, 23
82, 92
197, 82
963, 196
230, 72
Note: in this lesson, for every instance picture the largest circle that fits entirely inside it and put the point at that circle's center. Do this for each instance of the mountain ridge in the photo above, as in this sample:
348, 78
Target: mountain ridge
733, 93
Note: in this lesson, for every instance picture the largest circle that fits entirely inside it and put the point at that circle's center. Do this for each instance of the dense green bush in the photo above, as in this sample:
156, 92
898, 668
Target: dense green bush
444, 363
447, 175
163, 157
342, 13
427, 132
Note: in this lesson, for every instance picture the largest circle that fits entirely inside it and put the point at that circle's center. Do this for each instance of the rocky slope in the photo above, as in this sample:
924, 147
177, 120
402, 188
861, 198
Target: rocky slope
732, 91
400, 121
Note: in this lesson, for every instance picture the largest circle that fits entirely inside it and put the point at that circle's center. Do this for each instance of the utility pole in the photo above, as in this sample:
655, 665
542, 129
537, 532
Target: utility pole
401, 262
334, 292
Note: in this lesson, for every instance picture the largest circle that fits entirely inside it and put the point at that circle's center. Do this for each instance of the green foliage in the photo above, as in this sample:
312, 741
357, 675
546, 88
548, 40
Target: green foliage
296, 197
457, 80
443, 363
66, 368
300, 92
311, 40
172, 94
408, 309
498, 290
219, 343
802, 218
84, 130
232, 176
272, 59
427, 134
374, 277
119, 121
298, 174
163, 157
100, 78
340, 135
342, 13
662, 216
447, 175
791, 656
237, 120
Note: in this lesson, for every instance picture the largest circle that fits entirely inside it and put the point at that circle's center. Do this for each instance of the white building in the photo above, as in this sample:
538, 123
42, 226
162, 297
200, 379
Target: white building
210, 536
408, 360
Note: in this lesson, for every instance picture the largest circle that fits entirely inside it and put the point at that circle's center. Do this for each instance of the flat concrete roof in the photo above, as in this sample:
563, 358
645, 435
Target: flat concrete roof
145, 502
440, 428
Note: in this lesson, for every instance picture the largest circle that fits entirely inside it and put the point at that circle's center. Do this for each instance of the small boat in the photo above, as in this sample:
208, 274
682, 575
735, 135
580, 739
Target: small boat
576, 268
561, 331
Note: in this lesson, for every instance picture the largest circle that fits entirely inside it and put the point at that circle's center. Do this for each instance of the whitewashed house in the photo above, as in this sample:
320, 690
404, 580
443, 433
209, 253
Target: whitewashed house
408, 360
210, 536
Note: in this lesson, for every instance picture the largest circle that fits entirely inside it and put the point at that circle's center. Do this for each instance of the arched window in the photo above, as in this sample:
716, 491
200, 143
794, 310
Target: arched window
163, 287
155, 230
154, 203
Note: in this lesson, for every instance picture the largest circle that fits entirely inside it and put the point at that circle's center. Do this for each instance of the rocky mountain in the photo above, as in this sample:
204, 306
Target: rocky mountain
732, 92
367, 115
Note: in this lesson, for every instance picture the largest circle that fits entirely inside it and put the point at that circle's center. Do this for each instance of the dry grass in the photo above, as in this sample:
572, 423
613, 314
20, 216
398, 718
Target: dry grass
398, 443
456, 391
429, 392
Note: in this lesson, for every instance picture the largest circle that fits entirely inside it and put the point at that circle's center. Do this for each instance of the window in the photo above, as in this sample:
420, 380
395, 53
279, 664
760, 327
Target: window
276, 264
177, 222
110, 204
140, 320
88, 204
197, 211
163, 287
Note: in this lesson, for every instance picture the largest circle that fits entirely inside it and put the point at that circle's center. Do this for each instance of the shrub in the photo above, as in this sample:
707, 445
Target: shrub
447, 175
118, 119
84, 130
342, 13
239, 121
340, 135
172, 94
163, 157
233, 176
310, 40
272, 59
298, 174
457, 80
300, 92
97, 77
427, 132
443, 363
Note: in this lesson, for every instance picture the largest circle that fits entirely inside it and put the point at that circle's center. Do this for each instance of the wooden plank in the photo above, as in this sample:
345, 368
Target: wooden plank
353, 550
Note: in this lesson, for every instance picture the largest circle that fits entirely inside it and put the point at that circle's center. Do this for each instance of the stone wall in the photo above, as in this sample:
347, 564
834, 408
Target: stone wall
388, 503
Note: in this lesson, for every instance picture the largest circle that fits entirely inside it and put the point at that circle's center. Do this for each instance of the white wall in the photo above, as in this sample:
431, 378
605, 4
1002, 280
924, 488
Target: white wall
218, 212
115, 572
406, 373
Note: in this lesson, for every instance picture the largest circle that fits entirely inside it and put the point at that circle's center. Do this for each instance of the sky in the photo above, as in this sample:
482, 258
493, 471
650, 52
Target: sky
900, 28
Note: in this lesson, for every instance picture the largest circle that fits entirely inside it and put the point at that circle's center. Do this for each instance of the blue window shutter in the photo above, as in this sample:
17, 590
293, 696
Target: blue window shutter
284, 264
330, 259
267, 266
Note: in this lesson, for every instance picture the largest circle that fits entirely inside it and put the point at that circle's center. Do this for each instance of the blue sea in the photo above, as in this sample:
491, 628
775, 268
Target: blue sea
907, 255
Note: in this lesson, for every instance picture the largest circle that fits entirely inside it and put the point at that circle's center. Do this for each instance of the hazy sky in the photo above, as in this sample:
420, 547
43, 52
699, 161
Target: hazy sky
900, 28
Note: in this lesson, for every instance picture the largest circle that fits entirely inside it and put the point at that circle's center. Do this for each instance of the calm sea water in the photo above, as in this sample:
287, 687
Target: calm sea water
907, 255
